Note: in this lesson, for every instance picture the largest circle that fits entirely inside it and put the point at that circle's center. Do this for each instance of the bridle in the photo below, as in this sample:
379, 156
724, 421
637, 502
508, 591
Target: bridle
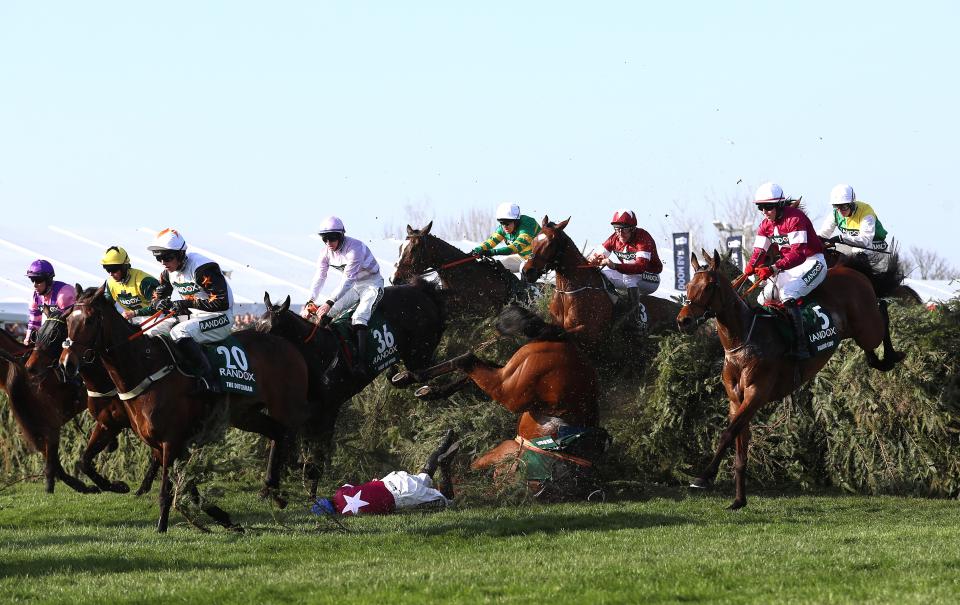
95, 347
706, 312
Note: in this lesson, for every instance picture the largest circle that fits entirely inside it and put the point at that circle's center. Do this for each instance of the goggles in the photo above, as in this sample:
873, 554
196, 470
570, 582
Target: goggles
330, 237
163, 256
767, 206
112, 268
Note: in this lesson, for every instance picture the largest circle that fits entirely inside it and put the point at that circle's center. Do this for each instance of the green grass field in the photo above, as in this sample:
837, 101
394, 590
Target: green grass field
669, 547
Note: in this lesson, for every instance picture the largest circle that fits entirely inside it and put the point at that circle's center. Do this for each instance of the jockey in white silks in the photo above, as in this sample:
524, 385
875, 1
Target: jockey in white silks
205, 299
362, 283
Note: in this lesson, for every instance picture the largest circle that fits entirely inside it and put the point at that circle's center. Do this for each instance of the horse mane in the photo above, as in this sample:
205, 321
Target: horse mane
884, 281
515, 320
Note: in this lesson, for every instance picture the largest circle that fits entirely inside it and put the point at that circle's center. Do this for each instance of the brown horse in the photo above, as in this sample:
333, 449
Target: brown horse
547, 381
755, 370
162, 403
415, 319
102, 402
41, 406
582, 302
472, 287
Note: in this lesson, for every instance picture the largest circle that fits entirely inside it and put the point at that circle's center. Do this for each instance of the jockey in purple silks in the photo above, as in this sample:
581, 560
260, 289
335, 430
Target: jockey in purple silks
46, 291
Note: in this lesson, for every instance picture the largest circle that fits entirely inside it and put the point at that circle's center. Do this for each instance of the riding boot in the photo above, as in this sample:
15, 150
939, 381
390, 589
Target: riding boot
633, 325
443, 453
799, 351
207, 381
359, 368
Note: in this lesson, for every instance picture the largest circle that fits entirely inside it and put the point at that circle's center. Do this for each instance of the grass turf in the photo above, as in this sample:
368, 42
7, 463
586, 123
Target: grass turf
670, 547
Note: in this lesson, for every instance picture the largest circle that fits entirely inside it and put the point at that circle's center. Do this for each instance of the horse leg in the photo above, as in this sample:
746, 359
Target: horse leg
451, 365
740, 469
53, 470
147, 484
165, 498
891, 357
255, 422
496, 455
431, 393
739, 421
215, 512
100, 438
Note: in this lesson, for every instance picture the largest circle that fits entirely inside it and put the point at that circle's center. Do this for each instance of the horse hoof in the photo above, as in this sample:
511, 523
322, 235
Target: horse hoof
119, 487
422, 392
737, 505
700, 483
401, 378
91, 489
280, 501
236, 528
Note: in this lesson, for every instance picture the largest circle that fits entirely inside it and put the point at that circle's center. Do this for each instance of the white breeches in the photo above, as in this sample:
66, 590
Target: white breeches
163, 327
205, 328
795, 282
411, 490
646, 282
365, 293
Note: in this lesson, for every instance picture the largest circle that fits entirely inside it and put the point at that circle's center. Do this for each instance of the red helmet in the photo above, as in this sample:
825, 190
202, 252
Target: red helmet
624, 217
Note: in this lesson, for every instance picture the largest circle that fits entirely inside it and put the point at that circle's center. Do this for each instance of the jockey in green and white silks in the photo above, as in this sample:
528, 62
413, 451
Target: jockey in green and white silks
362, 283
516, 231
132, 289
860, 229
206, 300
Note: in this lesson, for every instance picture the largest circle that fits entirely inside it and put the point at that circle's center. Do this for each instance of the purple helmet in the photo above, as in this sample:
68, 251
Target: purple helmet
40, 268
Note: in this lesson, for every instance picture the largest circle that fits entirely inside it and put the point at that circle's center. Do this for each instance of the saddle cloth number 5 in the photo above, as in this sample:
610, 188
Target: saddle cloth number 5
824, 318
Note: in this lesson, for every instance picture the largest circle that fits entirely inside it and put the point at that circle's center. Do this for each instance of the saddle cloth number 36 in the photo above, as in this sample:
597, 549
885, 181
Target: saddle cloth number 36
385, 339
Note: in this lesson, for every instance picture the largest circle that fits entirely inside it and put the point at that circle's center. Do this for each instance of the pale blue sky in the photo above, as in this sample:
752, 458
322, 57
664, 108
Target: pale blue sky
264, 117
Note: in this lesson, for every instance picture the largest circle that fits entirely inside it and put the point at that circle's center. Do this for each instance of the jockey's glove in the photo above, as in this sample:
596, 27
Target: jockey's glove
163, 291
765, 272
178, 306
482, 252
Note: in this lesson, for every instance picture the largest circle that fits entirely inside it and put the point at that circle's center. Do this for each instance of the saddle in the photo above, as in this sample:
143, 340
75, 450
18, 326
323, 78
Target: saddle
381, 349
822, 335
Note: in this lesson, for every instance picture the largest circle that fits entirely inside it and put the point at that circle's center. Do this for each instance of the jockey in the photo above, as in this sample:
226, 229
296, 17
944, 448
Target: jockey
46, 291
629, 258
396, 490
362, 284
856, 221
516, 231
204, 296
132, 289
801, 266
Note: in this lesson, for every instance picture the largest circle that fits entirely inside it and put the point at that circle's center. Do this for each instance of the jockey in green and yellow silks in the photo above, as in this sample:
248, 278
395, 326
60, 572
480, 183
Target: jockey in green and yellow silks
856, 221
132, 289
516, 231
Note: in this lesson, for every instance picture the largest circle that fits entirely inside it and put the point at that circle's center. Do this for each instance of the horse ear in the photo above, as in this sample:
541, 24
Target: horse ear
426, 230
694, 262
79, 290
266, 300
563, 224
545, 222
99, 293
716, 258
410, 230
285, 305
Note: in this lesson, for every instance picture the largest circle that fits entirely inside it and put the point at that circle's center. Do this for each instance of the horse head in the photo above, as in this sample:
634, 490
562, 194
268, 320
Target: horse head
703, 299
50, 337
413, 255
547, 250
279, 320
94, 327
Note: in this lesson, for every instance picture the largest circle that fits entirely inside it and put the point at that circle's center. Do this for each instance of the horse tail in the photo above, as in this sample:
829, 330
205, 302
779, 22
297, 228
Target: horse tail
884, 281
515, 320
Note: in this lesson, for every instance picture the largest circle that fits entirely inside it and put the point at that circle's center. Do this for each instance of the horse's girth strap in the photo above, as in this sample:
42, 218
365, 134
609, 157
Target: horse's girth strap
145, 383
527, 444
95, 394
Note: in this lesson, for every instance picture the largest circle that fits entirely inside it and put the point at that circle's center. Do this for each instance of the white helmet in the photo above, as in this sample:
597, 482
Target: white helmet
768, 192
331, 224
168, 239
508, 211
842, 194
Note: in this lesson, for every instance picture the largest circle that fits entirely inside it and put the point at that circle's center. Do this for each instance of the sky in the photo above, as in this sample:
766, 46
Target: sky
263, 118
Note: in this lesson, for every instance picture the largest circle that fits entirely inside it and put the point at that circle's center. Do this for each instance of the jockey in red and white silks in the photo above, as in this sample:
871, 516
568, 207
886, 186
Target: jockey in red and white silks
801, 266
629, 256
362, 283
